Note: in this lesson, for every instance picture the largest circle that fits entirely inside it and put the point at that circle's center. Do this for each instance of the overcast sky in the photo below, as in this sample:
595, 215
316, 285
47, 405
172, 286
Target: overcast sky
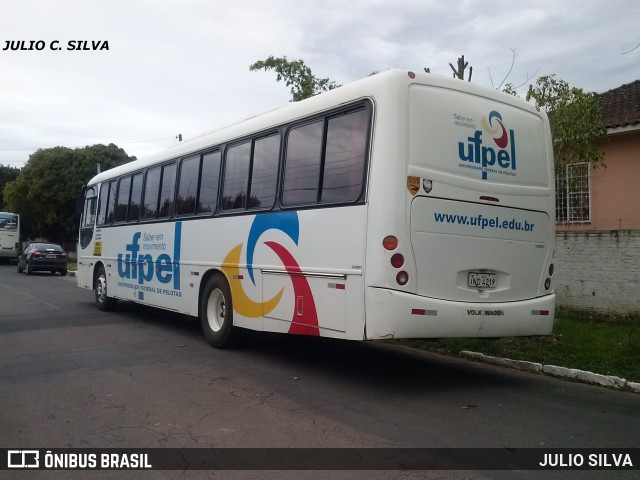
182, 66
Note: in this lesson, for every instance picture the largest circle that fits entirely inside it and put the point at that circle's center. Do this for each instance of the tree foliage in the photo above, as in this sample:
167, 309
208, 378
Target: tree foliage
46, 191
574, 116
7, 174
296, 75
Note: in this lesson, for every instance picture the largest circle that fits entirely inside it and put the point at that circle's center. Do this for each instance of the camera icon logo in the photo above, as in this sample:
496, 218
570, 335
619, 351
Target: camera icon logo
23, 459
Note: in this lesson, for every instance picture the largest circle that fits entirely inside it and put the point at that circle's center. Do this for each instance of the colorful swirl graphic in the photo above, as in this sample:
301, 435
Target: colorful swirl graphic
501, 140
303, 320
241, 301
286, 222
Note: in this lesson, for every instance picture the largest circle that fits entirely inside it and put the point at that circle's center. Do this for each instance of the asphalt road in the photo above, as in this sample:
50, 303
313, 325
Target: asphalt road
71, 376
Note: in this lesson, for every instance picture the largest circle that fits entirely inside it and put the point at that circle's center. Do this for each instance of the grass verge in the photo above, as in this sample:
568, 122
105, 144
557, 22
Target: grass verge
609, 348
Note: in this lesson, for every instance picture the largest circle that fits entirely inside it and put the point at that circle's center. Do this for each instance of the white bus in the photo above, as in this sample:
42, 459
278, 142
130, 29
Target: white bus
9, 236
402, 205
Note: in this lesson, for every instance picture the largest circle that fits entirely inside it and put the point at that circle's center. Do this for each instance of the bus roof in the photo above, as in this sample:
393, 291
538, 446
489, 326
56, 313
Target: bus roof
384, 84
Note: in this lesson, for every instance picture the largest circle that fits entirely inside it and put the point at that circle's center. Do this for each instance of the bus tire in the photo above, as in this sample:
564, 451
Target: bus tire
103, 302
216, 313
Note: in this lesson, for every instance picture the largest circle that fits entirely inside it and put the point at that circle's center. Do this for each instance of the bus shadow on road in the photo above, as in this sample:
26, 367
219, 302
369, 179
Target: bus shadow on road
373, 364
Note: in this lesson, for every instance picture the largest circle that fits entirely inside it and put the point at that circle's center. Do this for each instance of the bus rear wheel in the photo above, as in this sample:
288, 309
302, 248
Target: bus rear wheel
103, 302
216, 313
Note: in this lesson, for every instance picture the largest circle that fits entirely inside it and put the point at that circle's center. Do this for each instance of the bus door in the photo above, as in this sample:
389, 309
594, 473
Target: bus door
88, 246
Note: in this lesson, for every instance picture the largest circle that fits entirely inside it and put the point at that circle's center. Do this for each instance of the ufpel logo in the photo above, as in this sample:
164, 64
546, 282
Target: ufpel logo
499, 155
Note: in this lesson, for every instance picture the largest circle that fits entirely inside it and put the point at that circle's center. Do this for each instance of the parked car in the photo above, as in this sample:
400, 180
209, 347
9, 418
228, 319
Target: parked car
43, 257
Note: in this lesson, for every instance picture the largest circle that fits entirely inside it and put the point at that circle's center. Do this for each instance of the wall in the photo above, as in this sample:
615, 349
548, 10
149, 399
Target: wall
599, 271
615, 190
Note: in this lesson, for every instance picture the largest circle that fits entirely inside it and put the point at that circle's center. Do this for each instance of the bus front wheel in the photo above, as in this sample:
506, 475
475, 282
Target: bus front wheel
103, 302
216, 313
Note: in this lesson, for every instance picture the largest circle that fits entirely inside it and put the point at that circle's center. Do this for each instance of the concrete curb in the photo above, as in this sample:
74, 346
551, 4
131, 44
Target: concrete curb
72, 273
608, 381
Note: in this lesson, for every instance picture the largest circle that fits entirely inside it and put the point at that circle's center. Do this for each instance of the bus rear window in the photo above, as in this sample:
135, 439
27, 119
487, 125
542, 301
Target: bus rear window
8, 221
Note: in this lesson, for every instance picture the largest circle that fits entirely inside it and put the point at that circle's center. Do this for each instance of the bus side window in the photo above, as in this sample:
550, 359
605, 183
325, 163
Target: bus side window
236, 177
122, 204
264, 172
167, 190
151, 194
302, 164
344, 163
102, 204
188, 186
136, 193
111, 207
208, 198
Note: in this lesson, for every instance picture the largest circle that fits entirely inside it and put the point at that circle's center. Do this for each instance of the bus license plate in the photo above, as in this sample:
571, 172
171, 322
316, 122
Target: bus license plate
482, 280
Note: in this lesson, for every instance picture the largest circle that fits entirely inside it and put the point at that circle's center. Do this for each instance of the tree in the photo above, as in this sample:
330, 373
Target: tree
459, 72
47, 189
7, 174
574, 117
296, 75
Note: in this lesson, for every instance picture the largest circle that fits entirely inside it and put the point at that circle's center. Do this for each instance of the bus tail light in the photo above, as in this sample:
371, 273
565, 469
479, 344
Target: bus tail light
397, 260
402, 278
547, 284
551, 270
390, 242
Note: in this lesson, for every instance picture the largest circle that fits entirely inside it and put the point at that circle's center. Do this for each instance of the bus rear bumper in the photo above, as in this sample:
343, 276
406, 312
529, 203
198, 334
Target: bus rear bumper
394, 314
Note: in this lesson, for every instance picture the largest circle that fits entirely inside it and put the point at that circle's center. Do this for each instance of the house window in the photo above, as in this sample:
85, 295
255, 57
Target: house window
573, 193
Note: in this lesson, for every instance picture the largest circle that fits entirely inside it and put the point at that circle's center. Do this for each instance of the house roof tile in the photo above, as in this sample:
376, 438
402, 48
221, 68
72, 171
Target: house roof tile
620, 107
